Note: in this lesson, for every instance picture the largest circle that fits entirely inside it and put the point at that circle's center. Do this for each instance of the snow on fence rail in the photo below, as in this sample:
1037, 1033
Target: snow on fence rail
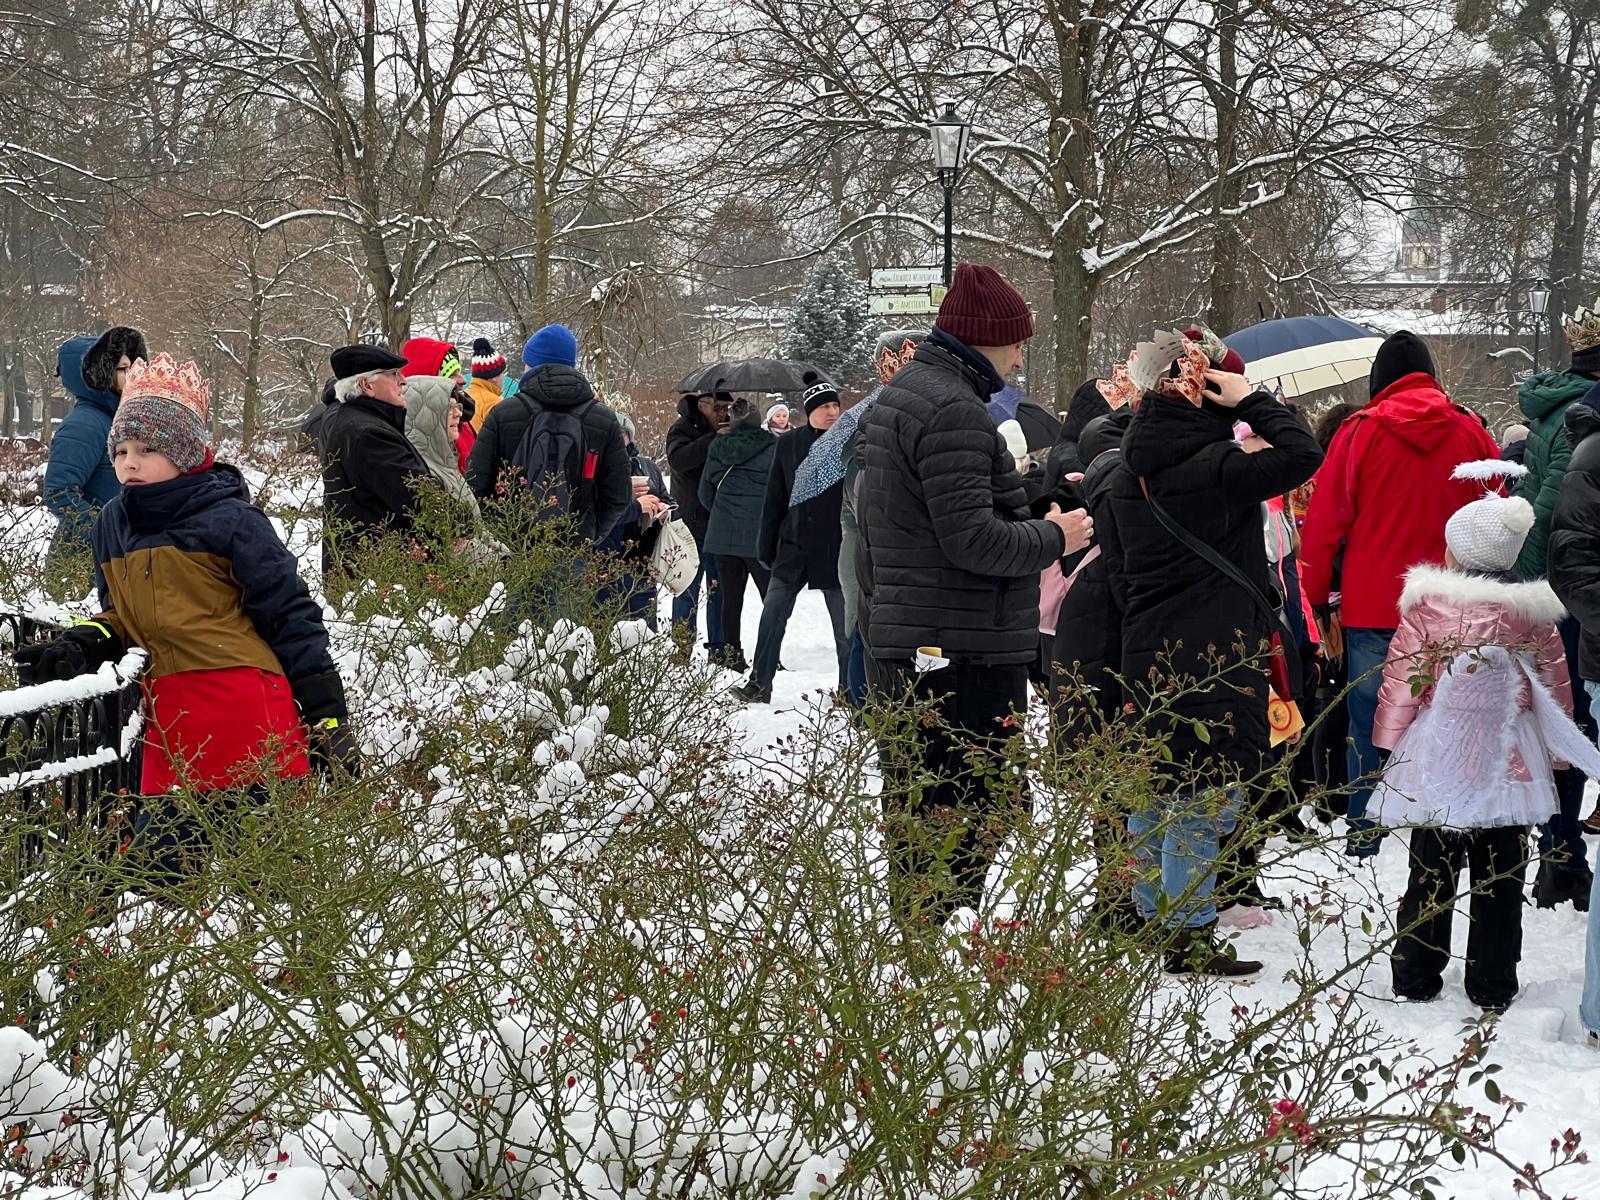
69, 748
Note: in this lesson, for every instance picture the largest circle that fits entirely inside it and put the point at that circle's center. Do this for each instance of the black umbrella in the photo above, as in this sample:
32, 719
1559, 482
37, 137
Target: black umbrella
748, 375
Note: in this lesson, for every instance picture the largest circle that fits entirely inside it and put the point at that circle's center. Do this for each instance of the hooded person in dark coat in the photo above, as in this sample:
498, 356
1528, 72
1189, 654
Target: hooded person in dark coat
1066, 458
78, 479
733, 490
311, 427
799, 545
700, 419
954, 568
1193, 640
1086, 654
1574, 547
1088, 644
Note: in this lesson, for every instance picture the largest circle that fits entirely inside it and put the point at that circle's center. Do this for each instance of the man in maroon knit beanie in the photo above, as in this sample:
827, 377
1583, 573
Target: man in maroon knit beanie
953, 607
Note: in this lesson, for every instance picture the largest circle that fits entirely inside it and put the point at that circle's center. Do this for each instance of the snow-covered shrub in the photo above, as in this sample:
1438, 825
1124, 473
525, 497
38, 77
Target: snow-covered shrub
568, 937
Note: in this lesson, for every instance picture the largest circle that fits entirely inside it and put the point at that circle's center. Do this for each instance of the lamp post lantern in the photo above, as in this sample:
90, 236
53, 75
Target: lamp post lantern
1538, 303
949, 133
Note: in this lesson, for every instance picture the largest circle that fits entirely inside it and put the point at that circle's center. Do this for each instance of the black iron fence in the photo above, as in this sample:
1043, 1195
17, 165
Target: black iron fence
69, 752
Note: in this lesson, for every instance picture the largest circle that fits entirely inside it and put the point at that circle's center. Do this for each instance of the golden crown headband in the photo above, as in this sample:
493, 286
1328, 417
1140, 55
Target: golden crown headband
1583, 328
163, 378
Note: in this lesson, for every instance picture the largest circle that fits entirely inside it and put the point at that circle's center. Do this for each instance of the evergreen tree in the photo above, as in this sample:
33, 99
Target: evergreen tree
830, 325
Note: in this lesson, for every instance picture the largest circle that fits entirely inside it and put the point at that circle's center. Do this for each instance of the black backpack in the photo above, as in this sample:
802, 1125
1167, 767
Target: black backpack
557, 461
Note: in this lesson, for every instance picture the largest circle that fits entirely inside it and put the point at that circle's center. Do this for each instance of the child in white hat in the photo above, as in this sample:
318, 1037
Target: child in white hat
1475, 712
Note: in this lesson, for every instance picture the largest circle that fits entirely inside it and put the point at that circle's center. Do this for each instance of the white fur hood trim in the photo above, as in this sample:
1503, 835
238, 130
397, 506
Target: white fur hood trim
1533, 601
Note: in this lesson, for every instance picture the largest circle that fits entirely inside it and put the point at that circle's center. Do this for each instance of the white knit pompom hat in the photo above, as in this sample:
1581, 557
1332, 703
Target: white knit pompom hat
1487, 535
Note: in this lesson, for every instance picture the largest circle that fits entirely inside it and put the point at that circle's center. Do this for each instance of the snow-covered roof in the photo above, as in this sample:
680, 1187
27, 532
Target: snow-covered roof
1453, 322
743, 314
461, 333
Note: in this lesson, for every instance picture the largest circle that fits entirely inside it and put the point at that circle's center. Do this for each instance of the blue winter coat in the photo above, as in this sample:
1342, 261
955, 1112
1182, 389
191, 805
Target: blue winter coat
79, 480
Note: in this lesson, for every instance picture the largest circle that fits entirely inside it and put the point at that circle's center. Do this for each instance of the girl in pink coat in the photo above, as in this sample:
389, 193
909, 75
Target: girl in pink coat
1475, 713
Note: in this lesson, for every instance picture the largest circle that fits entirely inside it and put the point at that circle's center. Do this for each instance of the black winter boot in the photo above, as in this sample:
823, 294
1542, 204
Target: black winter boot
1197, 952
1552, 887
752, 692
733, 658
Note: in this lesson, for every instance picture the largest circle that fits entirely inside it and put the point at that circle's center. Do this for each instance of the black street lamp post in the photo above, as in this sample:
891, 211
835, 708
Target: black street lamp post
1538, 303
949, 133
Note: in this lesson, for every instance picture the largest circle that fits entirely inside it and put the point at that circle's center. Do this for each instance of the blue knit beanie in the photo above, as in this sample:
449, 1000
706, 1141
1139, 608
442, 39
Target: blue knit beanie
552, 344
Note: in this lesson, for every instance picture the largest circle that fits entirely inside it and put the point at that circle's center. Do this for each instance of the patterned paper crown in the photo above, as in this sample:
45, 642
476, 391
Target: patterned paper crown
162, 378
1120, 389
1213, 346
1583, 329
891, 360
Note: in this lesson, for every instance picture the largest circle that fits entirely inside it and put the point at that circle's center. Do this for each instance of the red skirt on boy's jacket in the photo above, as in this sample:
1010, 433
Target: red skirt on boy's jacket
192, 573
226, 728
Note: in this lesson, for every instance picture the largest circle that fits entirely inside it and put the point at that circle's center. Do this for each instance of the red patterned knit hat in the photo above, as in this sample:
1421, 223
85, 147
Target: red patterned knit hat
981, 309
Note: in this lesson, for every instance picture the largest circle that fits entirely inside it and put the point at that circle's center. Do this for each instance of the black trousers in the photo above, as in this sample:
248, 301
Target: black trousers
1496, 860
732, 576
948, 810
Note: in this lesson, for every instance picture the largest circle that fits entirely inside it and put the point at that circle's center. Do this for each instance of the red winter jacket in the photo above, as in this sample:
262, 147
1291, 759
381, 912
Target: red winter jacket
1384, 493
464, 443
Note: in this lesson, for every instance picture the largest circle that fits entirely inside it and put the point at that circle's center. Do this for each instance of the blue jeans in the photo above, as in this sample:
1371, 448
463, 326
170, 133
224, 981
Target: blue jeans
686, 606
1176, 840
1365, 651
1589, 1006
1561, 838
855, 674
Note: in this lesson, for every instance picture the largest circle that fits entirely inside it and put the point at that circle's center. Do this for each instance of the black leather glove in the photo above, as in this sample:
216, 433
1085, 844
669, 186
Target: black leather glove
78, 651
330, 734
332, 747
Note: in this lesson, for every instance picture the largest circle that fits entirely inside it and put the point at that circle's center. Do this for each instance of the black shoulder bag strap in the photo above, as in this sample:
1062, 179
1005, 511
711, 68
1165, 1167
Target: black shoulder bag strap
1282, 635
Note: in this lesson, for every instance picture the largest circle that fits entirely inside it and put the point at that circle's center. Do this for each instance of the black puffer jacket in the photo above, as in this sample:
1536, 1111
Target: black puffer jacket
557, 386
688, 441
955, 559
1574, 546
1212, 488
1088, 645
371, 478
800, 544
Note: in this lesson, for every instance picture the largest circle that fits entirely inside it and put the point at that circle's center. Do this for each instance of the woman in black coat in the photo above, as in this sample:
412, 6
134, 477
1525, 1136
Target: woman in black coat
1086, 655
733, 489
1193, 640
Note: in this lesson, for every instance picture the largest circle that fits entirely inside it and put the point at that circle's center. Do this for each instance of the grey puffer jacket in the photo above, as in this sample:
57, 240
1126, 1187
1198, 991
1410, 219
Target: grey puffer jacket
427, 428
955, 560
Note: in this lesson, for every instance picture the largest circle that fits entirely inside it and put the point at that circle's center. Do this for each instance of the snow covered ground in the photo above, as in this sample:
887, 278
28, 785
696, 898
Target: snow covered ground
1541, 1048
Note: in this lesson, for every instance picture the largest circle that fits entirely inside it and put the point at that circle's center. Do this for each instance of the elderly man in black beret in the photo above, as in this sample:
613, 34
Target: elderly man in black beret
371, 474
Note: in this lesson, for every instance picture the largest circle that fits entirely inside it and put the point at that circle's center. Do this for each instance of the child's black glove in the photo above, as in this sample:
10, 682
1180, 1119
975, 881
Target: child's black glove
78, 651
332, 748
331, 738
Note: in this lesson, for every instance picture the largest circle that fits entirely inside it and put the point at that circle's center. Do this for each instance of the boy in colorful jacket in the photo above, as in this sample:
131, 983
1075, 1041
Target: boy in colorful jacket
240, 685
